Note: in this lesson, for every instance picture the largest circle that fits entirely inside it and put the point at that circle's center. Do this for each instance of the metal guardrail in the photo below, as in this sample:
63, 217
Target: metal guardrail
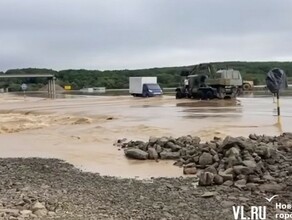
261, 86
166, 90
173, 88
26, 75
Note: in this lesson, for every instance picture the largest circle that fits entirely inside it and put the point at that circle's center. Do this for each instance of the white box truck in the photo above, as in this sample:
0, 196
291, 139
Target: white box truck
144, 86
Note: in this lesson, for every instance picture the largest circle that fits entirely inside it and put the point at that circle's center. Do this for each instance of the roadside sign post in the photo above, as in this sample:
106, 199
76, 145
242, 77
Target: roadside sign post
24, 88
278, 103
276, 81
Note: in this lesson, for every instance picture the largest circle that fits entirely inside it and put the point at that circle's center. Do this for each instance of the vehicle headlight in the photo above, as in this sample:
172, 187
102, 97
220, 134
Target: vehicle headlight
150, 90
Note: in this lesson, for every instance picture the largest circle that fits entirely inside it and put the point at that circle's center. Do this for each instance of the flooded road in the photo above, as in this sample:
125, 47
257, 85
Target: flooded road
82, 130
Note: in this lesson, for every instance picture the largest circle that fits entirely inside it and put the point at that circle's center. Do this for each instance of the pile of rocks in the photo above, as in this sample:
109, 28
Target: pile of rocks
25, 209
235, 161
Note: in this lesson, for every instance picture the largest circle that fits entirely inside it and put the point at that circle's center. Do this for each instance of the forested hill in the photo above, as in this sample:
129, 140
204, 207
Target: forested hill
167, 76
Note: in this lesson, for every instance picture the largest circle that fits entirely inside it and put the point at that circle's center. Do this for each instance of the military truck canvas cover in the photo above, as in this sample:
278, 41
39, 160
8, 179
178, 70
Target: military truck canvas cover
228, 77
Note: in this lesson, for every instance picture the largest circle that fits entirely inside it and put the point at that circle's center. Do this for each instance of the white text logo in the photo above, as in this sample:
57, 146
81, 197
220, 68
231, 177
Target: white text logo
256, 213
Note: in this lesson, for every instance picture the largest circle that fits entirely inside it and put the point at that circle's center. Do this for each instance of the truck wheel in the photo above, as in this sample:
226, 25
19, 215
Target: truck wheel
246, 87
209, 95
221, 93
235, 92
178, 95
239, 91
201, 95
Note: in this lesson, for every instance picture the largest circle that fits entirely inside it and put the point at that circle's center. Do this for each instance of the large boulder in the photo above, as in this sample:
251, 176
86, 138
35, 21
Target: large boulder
143, 146
162, 141
180, 162
196, 140
242, 143
250, 163
158, 148
191, 151
38, 206
218, 180
206, 179
240, 183
253, 137
152, 153
227, 174
242, 170
246, 155
190, 170
206, 159
134, 144
211, 169
265, 151
39, 209
287, 134
234, 156
165, 155
153, 140
136, 154
174, 147
233, 151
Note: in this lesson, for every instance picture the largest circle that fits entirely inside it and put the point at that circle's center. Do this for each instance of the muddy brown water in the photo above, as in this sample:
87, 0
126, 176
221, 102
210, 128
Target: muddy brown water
82, 130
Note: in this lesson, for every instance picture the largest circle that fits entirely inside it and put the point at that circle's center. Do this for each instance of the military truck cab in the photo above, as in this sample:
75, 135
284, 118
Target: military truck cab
195, 87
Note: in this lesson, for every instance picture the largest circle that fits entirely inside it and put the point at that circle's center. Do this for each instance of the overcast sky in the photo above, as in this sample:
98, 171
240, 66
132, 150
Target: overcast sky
129, 34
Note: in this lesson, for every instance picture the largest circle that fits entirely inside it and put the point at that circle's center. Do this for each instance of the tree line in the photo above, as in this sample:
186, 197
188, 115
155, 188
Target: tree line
119, 79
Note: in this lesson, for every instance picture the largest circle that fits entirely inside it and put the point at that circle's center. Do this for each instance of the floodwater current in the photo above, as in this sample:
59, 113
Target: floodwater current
82, 130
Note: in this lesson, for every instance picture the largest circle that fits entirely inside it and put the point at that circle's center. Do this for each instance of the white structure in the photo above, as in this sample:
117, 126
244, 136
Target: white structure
136, 83
94, 90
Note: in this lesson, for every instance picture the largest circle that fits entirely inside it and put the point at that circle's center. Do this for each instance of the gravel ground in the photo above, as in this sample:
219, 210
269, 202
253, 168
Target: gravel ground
36, 188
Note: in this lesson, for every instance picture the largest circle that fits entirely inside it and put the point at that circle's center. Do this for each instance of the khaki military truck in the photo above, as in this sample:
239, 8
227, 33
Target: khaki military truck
204, 82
